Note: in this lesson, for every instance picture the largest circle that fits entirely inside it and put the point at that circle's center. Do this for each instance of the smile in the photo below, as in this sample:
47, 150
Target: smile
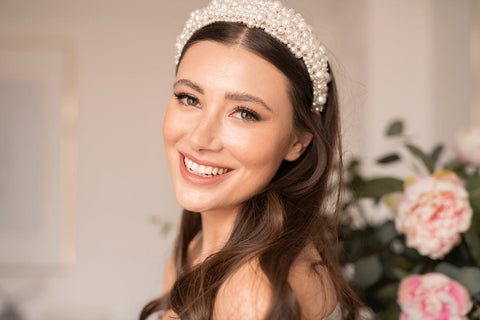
202, 170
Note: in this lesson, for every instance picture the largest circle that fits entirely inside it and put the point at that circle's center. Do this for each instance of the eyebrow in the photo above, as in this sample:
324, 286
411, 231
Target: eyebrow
235, 96
188, 83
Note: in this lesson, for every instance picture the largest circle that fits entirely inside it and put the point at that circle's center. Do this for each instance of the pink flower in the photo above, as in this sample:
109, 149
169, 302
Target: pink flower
433, 212
467, 145
433, 296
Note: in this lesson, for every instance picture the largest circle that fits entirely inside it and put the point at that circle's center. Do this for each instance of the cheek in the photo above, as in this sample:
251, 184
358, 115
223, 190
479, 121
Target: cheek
258, 149
172, 129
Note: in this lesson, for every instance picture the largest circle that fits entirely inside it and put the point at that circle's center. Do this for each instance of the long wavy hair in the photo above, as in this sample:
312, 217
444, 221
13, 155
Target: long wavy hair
274, 226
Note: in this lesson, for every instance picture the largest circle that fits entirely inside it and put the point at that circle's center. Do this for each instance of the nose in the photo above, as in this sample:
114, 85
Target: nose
206, 133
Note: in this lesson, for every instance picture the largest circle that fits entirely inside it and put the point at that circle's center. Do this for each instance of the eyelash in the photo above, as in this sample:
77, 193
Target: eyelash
250, 112
183, 97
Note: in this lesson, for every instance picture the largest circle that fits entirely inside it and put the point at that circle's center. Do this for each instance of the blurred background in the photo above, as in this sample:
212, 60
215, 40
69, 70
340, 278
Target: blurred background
87, 211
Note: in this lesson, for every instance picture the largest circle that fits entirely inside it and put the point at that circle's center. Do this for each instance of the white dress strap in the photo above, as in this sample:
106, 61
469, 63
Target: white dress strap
336, 313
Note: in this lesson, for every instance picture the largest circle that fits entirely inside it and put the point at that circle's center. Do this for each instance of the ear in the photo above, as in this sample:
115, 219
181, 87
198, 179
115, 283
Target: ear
299, 143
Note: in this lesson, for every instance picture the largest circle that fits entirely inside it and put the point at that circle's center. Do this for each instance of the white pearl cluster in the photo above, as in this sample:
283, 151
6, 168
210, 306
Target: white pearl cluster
282, 23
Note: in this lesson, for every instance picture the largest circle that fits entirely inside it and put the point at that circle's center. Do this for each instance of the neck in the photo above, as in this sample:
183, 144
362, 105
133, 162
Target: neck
217, 226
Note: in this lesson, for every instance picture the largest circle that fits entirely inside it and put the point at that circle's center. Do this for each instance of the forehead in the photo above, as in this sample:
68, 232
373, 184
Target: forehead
220, 67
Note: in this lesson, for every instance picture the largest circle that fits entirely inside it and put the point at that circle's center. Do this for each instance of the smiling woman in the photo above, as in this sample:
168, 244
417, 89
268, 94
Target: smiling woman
250, 140
210, 125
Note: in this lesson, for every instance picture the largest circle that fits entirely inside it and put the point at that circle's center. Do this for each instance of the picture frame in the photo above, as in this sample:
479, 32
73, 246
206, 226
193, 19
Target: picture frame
38, 154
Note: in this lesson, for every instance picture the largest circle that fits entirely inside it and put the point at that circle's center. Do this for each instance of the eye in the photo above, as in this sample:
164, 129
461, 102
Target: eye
246, 114
187, 100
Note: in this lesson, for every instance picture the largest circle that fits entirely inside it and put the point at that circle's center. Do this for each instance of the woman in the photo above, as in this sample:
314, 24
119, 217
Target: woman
251, 134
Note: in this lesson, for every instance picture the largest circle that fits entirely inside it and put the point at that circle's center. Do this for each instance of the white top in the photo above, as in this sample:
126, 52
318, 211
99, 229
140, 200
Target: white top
336, 314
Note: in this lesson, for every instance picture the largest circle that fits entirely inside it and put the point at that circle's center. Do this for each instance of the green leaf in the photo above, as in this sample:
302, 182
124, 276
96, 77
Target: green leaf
470, 277
418, 268
376, 188
436, 152
353, 165
454, 166
390, 158
386, 233
400, 273
477, 297
392, 313
475, 201
472, 237
447, 269
387, 293
472, 184
426, 159
395, 128
368, 271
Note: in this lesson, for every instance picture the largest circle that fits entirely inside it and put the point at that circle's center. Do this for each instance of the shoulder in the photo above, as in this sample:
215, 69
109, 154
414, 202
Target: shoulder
312, 284
169, 275
245, 295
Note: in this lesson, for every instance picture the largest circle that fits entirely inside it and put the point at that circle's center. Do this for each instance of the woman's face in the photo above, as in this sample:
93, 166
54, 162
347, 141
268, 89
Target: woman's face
228, 127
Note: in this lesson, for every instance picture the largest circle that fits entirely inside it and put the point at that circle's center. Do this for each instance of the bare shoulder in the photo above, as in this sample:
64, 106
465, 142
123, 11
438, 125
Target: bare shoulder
247, 293
313, 286
244, 295
170, 275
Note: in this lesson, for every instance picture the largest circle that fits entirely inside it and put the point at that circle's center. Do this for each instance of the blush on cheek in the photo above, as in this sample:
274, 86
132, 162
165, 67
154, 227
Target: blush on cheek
258, 148
167, 122
174, 126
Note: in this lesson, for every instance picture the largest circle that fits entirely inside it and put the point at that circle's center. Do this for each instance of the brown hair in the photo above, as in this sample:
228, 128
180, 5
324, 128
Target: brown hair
275, 225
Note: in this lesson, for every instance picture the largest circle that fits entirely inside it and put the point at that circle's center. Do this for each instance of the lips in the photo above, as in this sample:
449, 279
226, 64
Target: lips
201, 172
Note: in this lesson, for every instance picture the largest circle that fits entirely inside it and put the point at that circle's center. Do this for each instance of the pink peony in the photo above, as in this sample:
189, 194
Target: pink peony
467, 145
433, 212
433, 296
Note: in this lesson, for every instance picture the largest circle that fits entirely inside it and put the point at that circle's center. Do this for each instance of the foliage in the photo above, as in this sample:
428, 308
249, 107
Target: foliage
379, 253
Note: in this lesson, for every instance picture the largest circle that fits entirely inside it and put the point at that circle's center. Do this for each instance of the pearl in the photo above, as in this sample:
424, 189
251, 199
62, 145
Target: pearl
283, 24
260, 17
321, 100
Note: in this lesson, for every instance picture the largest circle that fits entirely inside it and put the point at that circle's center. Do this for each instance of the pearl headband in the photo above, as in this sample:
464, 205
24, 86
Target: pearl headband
283, 24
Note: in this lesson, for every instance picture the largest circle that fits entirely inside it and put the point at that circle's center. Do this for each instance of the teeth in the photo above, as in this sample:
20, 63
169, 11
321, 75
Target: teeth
194, 166
201, 170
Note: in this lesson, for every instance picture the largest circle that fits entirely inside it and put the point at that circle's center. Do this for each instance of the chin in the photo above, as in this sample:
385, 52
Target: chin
188, 202
199, 203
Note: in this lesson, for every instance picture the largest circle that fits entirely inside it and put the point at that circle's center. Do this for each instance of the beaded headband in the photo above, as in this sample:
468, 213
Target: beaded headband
282, 23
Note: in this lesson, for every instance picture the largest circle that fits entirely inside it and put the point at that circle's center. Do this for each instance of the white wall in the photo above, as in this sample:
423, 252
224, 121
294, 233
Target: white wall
405, 59
418, 70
